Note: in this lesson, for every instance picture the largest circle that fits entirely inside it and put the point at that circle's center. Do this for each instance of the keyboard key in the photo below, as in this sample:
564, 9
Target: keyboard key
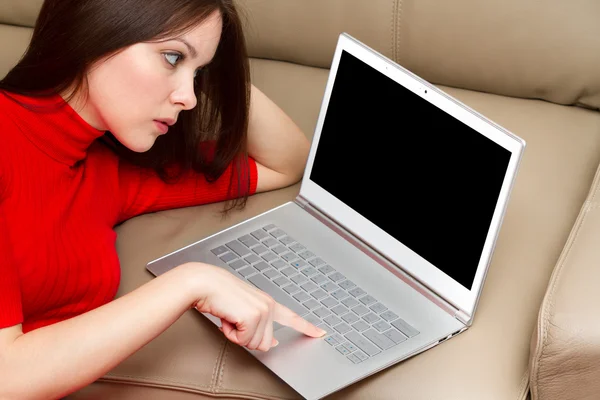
319, 294
319, 279
291, 288
347, 284
331, 340
326, 269
262, 266
281, 281
260, 234
219, 250
339, 310
332, 320
368, 300
270, 242
312, 319
342, 350
238, 248
360, 310
248, 241
322, 312
356, 292
340, 294
311, 304
245, 272
336, 277
354, 358
362, 343
237, 264
298, 263
271, 273
287, 240
299, 279
329, 302
405, 328
382, 326
380, 340
228, 257
279, 249
350, 302
308, 272
351, 348
378, 308
316, 262
309, 286
371, 318
269, 227
279, 264
389, 316
329, 286
350, 318
268, 257
278, 295
361, 326
251, 259
289, 271
289, 256
342, 328
277, 233
395, 336
306, 254
297, 247
259, 249
301, 296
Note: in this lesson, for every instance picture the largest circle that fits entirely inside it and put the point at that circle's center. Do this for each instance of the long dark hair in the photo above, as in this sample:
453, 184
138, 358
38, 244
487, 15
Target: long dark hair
71, 35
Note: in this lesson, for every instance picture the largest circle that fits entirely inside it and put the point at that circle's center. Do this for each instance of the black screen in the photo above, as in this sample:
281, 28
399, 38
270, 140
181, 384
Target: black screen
422, 176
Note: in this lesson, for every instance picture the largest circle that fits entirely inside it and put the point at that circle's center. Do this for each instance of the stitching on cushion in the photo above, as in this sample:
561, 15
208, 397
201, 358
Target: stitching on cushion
150, 379
548, 306
219, 382
393, 30
213, 379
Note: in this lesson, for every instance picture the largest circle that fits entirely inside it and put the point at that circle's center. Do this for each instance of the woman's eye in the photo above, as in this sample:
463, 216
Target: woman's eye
173, 58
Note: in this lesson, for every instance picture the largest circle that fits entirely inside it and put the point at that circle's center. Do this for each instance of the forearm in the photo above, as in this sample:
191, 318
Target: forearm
275, 142
61, 358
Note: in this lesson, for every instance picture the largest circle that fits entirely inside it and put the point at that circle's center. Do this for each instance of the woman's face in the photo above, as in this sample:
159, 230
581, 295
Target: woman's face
140, 91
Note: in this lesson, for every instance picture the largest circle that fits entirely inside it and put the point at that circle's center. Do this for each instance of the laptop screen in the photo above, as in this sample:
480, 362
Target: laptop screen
421, 175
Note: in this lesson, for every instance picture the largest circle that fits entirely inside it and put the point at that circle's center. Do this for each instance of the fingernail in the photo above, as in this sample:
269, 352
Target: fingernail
276, 343
323, 333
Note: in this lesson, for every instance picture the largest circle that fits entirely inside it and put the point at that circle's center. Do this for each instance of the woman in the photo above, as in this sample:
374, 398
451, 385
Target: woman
119, 108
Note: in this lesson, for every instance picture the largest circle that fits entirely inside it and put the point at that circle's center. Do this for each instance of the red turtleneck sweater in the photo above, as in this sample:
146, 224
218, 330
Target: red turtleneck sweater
61, 194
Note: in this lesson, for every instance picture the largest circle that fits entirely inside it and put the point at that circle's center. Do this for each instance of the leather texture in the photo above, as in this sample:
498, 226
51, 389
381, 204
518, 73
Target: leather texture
565, 347
501, 58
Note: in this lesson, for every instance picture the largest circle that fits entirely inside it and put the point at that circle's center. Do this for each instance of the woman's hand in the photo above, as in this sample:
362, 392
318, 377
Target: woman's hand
247, 313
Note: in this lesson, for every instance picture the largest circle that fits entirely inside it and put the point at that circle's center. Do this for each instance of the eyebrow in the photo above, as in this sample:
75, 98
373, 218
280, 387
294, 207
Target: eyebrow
189, 46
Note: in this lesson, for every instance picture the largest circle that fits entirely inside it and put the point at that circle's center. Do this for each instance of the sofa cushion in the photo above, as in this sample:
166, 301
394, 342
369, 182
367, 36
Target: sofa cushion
565, 354
490, 360
546, 50
13, 42
19, 12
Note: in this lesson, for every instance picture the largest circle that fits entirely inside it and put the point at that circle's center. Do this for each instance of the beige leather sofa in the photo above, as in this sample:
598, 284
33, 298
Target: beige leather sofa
533, 67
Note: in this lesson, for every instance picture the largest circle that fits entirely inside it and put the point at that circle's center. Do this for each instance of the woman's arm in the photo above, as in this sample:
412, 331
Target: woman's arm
59, 359
279, 147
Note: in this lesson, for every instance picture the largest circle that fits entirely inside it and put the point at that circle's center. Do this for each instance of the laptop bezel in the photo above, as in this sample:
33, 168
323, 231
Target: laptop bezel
440, 283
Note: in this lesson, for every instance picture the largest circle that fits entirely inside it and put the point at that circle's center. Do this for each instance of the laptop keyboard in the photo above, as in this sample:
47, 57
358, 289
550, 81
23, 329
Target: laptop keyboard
358, 325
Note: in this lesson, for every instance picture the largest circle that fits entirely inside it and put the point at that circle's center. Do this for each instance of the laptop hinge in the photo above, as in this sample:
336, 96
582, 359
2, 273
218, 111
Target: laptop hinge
301, 201
382, 260
462, 317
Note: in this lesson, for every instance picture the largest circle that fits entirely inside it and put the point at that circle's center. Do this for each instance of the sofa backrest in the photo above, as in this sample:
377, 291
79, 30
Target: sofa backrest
548, 50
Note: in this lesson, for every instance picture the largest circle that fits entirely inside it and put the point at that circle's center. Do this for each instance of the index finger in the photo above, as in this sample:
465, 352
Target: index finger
287, 317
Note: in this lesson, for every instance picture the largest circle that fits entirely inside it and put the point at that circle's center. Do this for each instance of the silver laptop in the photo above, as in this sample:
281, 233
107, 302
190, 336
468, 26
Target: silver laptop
388, 243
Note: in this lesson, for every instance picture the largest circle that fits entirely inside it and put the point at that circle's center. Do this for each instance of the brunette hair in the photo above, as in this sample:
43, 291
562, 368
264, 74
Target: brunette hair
71, 35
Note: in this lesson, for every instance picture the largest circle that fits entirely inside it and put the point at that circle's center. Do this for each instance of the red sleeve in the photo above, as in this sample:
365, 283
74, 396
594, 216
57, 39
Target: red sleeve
142, 190
11, 309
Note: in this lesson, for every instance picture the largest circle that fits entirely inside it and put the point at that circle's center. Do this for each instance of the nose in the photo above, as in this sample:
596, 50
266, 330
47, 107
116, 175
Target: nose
184, 94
